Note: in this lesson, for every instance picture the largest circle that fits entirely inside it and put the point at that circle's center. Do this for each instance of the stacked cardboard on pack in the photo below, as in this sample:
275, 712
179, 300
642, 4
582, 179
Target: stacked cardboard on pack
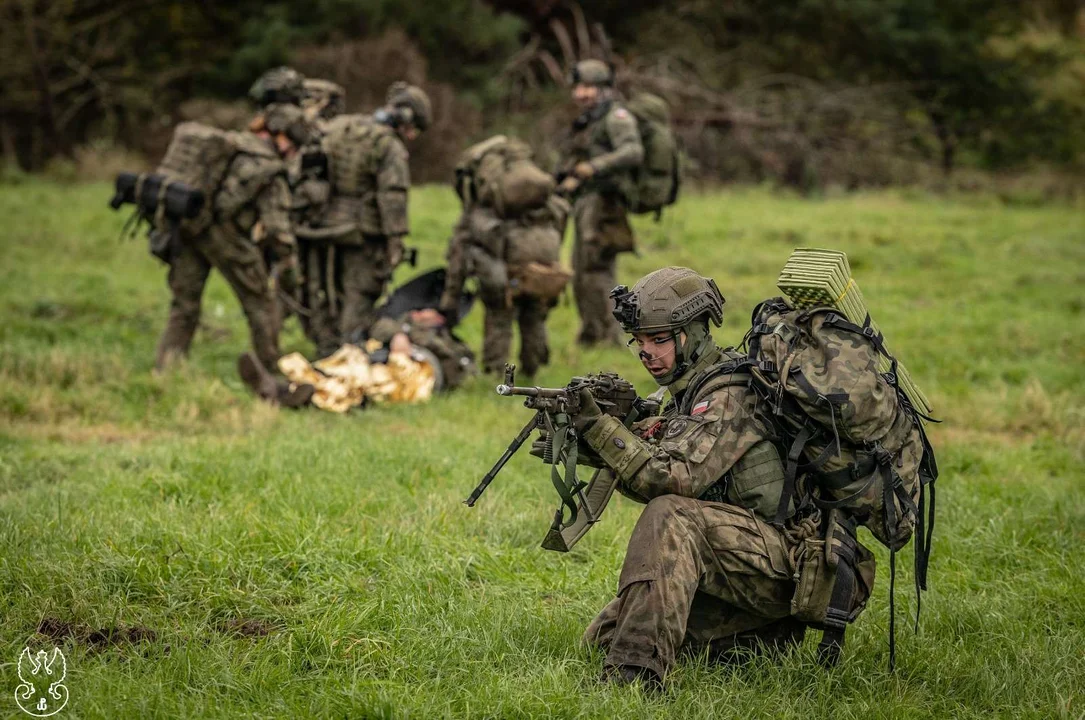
822, 278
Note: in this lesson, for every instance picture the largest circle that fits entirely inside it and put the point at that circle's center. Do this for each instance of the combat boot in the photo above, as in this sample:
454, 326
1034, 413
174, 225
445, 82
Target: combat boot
256, 376
270, 388
630, 675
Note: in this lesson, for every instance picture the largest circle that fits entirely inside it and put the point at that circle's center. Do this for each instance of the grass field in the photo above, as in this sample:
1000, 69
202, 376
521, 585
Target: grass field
244, 561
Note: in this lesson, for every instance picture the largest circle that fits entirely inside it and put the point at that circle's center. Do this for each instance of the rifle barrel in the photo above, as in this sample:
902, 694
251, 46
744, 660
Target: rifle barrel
508, 390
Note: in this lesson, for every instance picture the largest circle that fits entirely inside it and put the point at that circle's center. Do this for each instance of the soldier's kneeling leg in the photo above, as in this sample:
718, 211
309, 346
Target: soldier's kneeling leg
681, 547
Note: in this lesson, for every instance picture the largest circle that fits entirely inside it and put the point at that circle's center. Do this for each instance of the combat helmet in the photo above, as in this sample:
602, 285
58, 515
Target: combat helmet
593, 72
402, 96
674, 299
278, 85
323, 99
289, 120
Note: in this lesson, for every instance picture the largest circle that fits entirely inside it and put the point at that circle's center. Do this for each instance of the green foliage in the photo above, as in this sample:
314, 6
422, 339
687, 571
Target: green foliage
308, 564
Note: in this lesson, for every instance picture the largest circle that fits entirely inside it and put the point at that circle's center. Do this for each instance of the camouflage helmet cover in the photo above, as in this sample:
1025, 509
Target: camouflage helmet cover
414, 98
323, 97
593, 72
278, 85
667, 299
289, 120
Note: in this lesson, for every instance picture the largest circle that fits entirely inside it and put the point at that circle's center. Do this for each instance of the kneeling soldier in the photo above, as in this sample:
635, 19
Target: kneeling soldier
705, 569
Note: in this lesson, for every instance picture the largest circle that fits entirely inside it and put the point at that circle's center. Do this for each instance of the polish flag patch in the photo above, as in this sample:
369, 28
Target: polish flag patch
700, 408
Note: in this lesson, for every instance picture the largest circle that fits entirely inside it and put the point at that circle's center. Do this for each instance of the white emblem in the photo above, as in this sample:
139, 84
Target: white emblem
40, 692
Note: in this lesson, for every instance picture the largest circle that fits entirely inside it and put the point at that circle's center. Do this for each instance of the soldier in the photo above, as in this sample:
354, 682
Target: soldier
705, 569
252, 208
513, 251
366, 218
604, 151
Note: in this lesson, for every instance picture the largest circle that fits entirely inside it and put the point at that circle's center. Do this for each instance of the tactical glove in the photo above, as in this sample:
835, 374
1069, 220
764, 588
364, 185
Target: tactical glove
589, 412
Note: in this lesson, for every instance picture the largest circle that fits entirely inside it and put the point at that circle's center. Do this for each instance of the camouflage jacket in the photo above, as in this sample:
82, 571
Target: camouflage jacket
607, 137
255, 190
370, 176
710, 446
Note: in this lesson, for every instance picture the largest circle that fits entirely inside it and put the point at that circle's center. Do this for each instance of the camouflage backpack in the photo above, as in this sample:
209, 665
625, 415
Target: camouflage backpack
854, 446
657, 180
499, 173
200, 156
855, 439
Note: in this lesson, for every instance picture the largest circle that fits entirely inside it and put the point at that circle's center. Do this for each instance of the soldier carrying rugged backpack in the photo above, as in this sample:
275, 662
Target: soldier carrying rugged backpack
359, 240
509, 238
756, 475
619, 157
219, 199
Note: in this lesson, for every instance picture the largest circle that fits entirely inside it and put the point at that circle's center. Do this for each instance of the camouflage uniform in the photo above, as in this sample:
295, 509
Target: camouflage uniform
370, 179
482, 245
704, 565
606, 137
455, 357
258, 176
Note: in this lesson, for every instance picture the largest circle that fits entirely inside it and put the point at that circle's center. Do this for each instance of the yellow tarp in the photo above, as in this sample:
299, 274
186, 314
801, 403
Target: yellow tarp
344, 379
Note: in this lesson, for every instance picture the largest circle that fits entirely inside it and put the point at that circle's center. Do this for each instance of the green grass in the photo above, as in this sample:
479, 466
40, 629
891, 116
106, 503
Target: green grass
300, 563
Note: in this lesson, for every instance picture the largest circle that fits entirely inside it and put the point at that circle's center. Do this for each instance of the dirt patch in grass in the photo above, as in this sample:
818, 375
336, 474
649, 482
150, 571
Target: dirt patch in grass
60, 630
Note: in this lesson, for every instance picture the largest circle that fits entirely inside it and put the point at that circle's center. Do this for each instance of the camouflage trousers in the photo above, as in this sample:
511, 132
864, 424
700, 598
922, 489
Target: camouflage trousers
529, 313
342, 285
602, 229
695, 573
241, 263
363, 274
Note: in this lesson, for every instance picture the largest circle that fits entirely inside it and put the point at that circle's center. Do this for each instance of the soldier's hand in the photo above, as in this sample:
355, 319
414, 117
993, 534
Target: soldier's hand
589, 412
569, 184
584, 170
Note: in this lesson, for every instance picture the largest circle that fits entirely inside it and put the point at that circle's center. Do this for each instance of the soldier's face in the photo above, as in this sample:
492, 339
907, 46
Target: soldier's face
408, 132
585, 96
656, 350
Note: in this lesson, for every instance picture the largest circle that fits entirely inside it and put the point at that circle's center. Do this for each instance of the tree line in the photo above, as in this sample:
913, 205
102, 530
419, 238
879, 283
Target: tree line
804, 92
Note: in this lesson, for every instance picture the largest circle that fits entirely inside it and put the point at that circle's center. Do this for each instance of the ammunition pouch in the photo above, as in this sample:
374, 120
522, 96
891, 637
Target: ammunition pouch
537, 280
833, 580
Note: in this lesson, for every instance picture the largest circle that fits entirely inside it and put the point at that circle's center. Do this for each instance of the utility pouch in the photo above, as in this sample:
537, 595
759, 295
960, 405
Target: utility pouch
160, 243
815, 579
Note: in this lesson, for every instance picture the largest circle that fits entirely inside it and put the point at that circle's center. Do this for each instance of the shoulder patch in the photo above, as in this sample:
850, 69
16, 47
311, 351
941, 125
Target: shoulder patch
700, 408
622, 113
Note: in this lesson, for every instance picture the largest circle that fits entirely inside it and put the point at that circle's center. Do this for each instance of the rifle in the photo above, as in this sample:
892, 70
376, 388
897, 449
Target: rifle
582, 503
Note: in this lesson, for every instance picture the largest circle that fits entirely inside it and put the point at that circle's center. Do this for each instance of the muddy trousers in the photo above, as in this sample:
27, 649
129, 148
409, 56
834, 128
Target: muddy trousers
242, 265
601, 226
530, 314
695, 572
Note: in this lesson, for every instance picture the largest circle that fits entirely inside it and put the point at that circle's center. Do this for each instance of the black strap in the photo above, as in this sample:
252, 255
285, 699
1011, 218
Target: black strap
892, 610
790, 473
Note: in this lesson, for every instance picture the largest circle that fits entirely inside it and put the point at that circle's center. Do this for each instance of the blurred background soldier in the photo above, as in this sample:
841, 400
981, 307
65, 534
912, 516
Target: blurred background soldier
597, 170
250, 209
509, 237
366, 218
323, 99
